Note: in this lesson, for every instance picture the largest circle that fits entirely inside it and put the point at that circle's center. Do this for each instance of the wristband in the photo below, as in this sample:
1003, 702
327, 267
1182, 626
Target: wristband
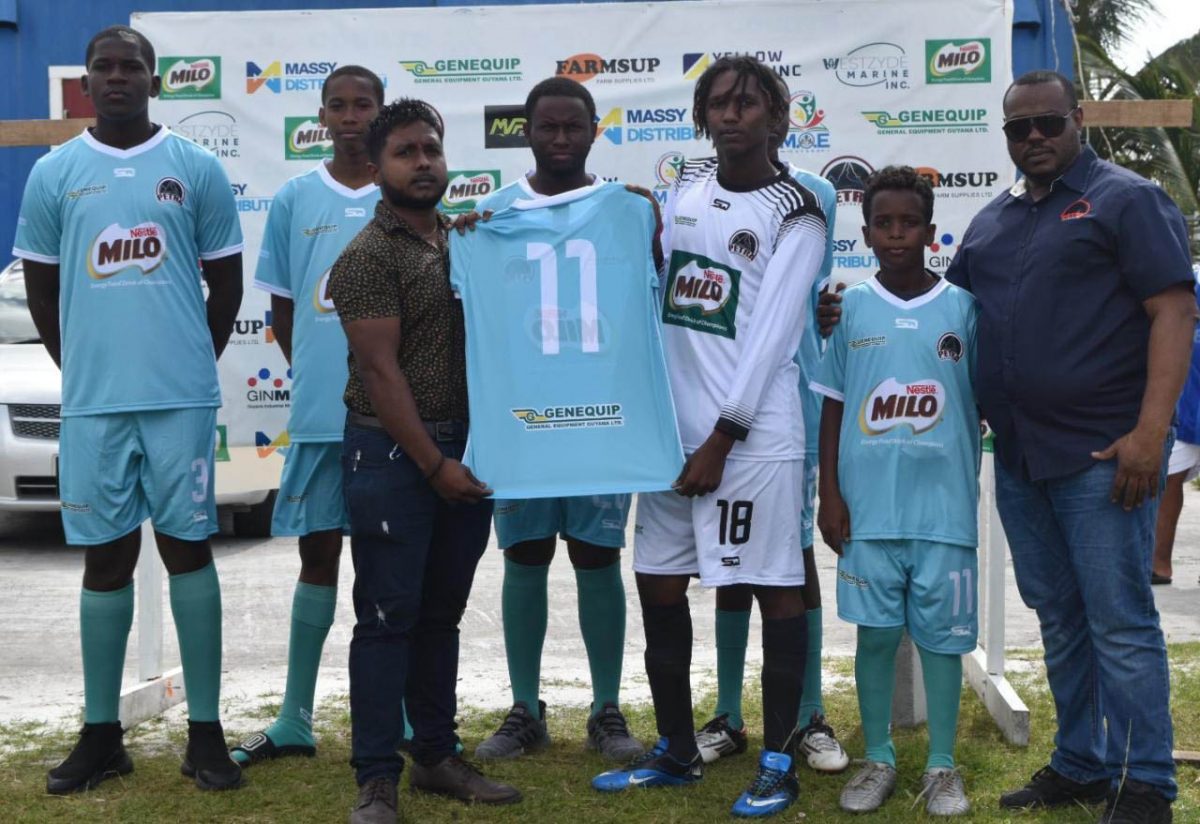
436, 469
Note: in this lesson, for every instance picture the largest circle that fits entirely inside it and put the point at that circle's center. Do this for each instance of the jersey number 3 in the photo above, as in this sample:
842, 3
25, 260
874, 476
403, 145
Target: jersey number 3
546, 256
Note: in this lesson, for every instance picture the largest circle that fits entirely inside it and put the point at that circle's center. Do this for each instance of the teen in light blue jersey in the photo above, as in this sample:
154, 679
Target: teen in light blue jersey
560, 132
312, 219
116, 228
900, 449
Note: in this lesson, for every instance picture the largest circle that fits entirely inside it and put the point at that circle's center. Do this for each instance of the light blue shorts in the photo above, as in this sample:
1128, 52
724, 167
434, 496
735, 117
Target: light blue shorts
808, 506
927, 587
310, 492
594, 519
119, 469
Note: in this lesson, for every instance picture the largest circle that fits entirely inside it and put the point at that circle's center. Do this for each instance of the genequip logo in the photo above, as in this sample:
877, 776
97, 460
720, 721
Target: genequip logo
880, 65
304, 138
958, 61
280, 76
190, 78
570, 417
807, 131
467, 188
215, 130
504, 127
694, 63
583, 67
929, 121
464, 70
622, 126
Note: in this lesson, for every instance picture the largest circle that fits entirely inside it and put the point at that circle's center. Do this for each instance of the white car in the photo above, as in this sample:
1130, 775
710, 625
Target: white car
30, 398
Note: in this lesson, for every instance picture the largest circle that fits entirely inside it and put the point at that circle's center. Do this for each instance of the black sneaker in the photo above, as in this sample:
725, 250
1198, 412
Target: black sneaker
99, 754
1048, 788
1136, 803
207, 759
520, 733
608, 734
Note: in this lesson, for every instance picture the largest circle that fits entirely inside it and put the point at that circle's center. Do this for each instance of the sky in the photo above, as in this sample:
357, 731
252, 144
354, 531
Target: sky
1177, 20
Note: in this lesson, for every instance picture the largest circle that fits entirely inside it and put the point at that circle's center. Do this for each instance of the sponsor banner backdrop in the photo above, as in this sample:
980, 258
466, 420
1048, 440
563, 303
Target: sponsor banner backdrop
872, 82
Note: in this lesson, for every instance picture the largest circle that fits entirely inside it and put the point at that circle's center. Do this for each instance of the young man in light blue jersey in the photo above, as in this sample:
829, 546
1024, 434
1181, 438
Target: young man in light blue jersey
312, 219
899, 484
725, 734
560, 129
111, 227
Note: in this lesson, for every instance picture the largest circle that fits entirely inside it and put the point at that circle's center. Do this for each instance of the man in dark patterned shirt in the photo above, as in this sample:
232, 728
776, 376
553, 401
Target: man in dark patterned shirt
419, 518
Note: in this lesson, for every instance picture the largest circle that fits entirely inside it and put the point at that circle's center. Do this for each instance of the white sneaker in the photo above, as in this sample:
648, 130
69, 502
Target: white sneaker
869, 788
944, 792
821, 748
718, 738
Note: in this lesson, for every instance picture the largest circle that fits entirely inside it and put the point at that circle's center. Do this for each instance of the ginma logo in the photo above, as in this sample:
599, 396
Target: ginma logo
570, 417
702, 294
116, 249
942, 251
464, 70
267, 391
584, 67
621, 126
958, 61
504, 127
282, 76
891, 404
467, 188
266, 445
304, 138
190, 78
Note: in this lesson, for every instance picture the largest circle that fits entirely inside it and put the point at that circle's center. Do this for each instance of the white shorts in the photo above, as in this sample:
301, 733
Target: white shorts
746, 532
1185, 457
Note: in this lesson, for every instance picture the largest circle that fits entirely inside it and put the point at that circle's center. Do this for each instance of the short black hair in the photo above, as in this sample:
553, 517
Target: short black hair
402, 112
355, 71
744, 67
899, 179
559, 87
1039, 76
121, 31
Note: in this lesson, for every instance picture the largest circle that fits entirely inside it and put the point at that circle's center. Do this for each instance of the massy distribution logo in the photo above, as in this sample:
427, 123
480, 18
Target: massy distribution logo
464, 70
266, 446
584, 67
190, 78
879, 65
116, 249
467, 188
504, 127
781, 62
265, 390
929, 121
252, 330
623, 125
246, 202
281, 75
807, 131
958, 61
304, 138
214, 130
957, 184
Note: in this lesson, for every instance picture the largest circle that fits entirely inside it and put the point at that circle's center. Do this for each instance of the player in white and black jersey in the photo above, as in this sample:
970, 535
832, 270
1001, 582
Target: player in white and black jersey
743, 243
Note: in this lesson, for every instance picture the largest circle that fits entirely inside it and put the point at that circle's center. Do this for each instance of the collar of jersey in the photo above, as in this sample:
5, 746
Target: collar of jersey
538, 201
920, 300
103, 148
342, 189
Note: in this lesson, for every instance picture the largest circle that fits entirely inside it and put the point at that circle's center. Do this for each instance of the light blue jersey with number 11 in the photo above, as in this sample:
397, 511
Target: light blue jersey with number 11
568, 386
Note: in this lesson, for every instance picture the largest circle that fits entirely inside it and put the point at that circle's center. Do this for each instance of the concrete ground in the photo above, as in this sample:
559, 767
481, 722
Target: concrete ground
40, 672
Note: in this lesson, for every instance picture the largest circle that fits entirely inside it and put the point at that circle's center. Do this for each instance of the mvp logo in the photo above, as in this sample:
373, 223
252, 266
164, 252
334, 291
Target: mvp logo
702, 295
891, 404
305, 138
958, 61
116, 249
504, 127
190, 78
467, 188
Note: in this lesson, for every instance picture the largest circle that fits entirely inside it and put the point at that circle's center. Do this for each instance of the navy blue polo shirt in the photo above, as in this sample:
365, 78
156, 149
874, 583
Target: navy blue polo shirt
1063, 336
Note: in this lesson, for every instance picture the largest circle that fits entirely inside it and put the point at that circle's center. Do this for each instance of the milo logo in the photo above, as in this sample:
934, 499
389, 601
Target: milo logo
958, 61
190, 78
116, 249
890, 404
467, 188
701, 294
304, 138
322, 302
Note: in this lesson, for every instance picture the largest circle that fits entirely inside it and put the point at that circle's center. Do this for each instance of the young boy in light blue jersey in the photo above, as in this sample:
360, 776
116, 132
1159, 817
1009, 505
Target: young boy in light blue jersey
899, 483
312, 219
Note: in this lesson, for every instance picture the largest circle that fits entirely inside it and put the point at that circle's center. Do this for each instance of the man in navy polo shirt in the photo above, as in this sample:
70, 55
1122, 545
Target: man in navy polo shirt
1083, 277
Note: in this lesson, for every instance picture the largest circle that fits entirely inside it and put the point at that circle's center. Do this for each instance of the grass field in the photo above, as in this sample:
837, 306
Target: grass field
555, 783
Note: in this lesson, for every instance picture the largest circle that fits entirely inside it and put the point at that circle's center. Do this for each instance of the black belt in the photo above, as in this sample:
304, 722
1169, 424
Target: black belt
440, 431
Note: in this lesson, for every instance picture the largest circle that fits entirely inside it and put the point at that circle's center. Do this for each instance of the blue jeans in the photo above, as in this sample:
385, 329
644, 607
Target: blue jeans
414, 562
1083, 563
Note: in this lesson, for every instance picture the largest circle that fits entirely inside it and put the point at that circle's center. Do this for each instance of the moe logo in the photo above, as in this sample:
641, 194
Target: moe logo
190, 78
702, 294
929, 121
116, 249
266, 445
283, 76
570, 417
304, 138
504, 127
880, 64
622, 126
322, 300
958, 61
465, 70
695, 63
266, 391
215, 130
584, 67
848, 174
467, 188
807, 131
891, 404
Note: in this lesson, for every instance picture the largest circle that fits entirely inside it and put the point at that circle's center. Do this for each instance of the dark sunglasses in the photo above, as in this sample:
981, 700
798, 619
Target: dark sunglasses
1048, 125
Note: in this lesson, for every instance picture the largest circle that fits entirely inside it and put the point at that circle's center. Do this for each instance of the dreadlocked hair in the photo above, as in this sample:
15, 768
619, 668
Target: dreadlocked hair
402, 112
746, 68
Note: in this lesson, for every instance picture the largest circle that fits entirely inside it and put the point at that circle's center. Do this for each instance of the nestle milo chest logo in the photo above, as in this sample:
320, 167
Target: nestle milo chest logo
304, 138
701, 294
190, 78
958, 61
467, 188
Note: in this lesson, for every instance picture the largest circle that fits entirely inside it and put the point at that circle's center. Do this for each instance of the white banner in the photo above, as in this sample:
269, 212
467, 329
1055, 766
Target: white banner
873, 82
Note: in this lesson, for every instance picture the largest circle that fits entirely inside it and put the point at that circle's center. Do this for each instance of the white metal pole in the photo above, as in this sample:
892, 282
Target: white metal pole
996, 553
149, 607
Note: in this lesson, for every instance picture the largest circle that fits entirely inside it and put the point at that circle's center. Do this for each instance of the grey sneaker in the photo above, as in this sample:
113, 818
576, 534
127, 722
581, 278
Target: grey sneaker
820, 746
869, 788
520, 733
944, 792
376, 802
608, 734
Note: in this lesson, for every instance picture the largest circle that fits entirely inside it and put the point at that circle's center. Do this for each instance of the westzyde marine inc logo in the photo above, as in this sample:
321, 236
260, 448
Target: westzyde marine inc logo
880, 64
215, 130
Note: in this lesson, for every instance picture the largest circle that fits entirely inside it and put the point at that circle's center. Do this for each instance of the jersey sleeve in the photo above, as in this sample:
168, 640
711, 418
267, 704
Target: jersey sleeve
218, 231
39, 225
971, 329
274, 272
773, 333
830, 377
